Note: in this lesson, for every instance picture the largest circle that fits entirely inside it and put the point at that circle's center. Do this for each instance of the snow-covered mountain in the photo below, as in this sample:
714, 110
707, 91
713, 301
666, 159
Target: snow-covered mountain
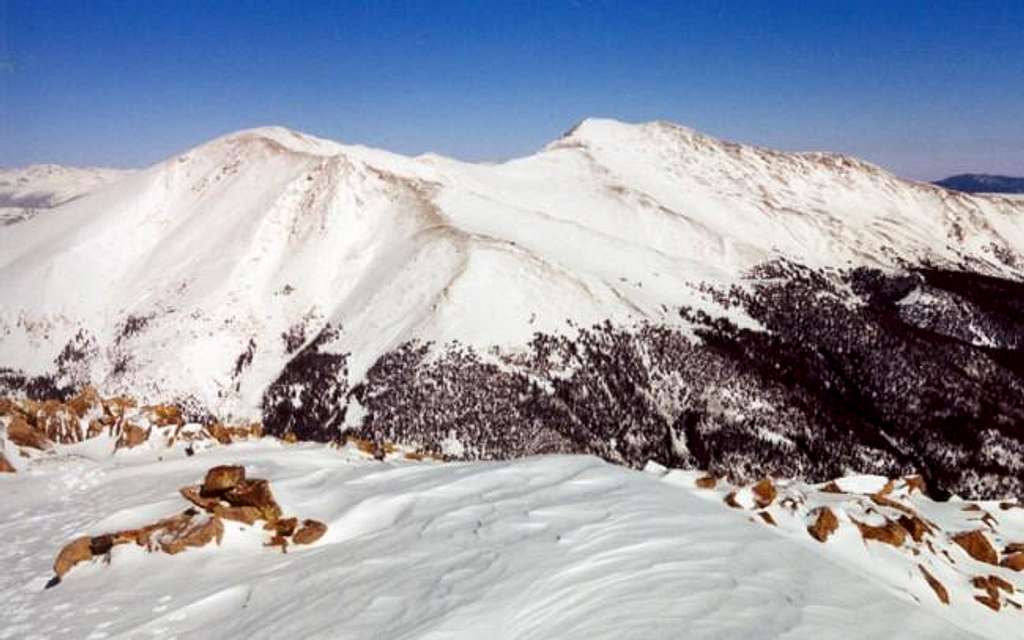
635, 291
25, 192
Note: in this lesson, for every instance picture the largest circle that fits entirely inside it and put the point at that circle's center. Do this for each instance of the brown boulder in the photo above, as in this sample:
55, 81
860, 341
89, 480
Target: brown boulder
5, 465
164, 415
937, 587
283, 526
890, 533
220, 433
188, 529
21, 433
193, 493
1014, 561
78, 550
977, 545
764, 492
824, 524
255, 493
1013, 547
310, 532
989, 601
915, 483
222, 478
706, 482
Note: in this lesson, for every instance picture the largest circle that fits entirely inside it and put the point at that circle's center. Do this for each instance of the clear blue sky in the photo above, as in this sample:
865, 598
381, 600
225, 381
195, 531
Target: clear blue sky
923, 88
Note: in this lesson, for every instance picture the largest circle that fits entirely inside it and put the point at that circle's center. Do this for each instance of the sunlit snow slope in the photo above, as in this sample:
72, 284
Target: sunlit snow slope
553, 547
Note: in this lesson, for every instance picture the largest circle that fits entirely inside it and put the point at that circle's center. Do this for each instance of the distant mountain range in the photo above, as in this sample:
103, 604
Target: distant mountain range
637, 292
983, 183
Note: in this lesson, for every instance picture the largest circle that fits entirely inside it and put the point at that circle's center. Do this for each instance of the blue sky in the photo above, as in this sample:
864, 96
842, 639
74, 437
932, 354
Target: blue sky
923, 88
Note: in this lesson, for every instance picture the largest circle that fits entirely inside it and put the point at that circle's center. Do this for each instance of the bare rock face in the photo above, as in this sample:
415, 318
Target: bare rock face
5, 465
176, 534
824, 524
937, 587
245, 515
21, 433
915, 526
221, 479
1014, 561
85, 402
977, 545
311, 531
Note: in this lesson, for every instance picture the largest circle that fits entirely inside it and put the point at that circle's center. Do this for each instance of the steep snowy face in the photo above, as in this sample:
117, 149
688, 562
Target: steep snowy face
629, 291
25, 192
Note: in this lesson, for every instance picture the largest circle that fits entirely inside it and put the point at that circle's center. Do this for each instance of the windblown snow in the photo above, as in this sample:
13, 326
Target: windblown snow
550, 547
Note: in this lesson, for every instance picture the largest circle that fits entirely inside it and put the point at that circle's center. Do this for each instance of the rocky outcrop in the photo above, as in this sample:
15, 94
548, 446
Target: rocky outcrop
5, 465
940, 590
225, 494
977, 545
825, 523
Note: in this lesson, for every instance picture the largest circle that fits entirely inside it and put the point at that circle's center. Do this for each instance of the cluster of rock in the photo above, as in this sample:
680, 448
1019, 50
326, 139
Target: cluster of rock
973, 553
225, 494
33, 426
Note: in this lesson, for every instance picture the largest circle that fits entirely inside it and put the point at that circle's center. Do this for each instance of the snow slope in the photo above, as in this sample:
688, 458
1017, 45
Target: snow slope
27, 191
549, 547
168, 276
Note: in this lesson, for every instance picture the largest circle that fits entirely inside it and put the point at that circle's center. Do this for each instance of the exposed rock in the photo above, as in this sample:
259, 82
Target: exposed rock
730, 499
78, 550
21, 433
193, 493
255, 493
1014, 561
915, 526
915, 483
764, 492
283, 526
222, 478
767, 517
86, 401
988, 601
247, 515
706, 482
1013, 547
937, 587
189, 529
1000, 583
977, 545
831, 487
5, 465
132, 436
890, 533
310, 532
884, 501
824, 524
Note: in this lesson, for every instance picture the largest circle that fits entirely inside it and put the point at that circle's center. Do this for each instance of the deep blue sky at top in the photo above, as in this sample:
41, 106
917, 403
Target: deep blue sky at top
923, 88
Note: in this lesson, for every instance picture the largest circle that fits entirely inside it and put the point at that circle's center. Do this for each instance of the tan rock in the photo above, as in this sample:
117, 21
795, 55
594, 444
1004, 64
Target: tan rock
85, 401
247, 515
764, 492
1014, 561
222, 478
730, 499
21, 433
220, 433
193, 493
831, 487
1000, 583
915, 483
310, 532
178, 533
255, 493
78, 550
163, 415
915, 526
937, 587
5, 465
118, 406
283, 526
977, 545
132, 436
890, 533
824, 524
706, 482
988, 601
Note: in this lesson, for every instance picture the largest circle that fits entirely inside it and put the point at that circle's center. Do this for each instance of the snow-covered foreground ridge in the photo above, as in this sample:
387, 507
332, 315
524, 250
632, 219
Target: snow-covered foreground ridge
639, 292
546, 547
